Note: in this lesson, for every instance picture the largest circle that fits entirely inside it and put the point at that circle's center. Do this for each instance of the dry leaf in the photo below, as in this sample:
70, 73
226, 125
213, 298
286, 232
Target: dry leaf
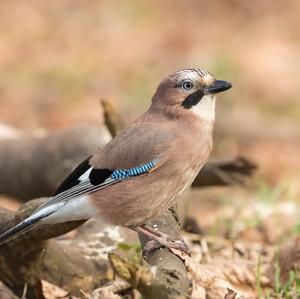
230, 294
108, 291
6, 293
106, 294
46, 290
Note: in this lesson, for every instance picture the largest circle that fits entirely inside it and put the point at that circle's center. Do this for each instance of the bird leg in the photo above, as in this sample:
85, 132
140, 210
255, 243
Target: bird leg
159, 238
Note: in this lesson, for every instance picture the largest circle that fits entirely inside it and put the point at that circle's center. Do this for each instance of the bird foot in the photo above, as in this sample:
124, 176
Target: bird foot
151, 246
160, 239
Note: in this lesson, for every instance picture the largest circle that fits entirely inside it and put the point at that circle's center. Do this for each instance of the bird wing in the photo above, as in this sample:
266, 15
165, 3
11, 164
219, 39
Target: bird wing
86, 179
83, 180
137, 150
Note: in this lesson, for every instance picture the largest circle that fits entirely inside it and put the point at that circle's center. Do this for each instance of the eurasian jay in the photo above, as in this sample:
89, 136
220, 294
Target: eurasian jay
143, 170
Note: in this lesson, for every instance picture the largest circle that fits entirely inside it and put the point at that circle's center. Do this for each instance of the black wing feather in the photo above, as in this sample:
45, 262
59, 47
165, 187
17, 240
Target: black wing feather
72, 179
96, 177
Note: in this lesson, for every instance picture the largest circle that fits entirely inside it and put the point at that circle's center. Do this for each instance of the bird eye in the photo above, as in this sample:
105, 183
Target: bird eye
187, 84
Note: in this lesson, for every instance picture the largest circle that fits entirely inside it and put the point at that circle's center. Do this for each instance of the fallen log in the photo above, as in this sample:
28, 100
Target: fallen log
74, 264
78, 264
35, 165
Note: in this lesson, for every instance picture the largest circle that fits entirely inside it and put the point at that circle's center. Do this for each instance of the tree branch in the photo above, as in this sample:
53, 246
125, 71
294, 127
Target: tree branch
34, 166
225, 172
170, 279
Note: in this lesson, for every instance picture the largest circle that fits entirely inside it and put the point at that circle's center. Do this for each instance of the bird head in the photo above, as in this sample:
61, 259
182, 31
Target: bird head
191, 90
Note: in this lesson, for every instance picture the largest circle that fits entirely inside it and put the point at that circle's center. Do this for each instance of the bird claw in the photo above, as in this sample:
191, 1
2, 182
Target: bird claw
178, 244
181, 245
151, 246
159, 239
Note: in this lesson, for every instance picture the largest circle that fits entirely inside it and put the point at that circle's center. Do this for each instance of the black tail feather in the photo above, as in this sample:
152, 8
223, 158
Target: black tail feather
17, 230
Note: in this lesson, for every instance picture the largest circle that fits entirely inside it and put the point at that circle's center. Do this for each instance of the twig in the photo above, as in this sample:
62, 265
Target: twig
24, 291
113, 119
111, 288
225, 172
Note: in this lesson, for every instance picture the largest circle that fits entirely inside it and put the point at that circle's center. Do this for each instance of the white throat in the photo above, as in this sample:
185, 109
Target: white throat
206, 108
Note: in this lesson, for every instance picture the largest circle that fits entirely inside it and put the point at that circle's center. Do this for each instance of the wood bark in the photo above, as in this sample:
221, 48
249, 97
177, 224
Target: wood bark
72, 264
163, 275
77, 264
170, 280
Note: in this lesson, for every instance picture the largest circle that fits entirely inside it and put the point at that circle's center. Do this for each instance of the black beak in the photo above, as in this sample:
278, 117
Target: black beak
217, 86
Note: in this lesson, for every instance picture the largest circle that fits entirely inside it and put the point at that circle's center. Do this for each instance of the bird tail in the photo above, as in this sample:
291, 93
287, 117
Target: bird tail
17, 230
40, 215
29, 223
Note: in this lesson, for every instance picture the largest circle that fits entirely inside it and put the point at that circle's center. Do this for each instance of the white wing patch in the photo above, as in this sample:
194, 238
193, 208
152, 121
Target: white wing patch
86, 175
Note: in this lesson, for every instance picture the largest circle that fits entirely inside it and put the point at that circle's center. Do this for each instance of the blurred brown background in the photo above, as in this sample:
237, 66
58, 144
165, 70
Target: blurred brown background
58, 58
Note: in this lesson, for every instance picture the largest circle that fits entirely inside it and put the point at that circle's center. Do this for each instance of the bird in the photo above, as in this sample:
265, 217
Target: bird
142, 171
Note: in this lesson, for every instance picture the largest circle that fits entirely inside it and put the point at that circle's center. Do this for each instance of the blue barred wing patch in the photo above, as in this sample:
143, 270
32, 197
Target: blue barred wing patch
120, 174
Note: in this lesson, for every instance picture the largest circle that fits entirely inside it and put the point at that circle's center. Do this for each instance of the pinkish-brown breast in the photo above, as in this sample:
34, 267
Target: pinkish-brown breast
183, 147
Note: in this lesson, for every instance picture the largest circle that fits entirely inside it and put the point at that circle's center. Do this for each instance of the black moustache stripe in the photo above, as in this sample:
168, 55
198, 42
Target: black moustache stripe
193, 99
